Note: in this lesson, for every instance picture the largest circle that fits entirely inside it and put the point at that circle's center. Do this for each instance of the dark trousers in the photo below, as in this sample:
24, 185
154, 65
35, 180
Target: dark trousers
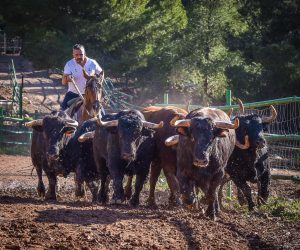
69, 96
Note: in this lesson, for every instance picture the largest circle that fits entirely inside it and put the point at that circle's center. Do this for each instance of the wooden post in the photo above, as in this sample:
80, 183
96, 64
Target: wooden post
166, 98
229, 186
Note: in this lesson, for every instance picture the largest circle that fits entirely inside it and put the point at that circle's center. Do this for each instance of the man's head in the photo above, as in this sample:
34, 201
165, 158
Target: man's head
79, 53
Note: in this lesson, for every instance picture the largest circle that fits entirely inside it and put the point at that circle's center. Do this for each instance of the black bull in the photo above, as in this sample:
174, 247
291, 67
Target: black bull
205, 142
56, 151
249, 160
123, 144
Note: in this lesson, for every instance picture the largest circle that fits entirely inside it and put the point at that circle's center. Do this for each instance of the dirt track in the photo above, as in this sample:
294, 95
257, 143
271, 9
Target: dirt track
26, 222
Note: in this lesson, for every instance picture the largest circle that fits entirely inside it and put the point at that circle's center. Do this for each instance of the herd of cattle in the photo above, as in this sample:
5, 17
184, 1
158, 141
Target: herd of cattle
202, 149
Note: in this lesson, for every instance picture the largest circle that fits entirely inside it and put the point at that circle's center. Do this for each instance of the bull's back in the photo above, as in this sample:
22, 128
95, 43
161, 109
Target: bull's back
156, 114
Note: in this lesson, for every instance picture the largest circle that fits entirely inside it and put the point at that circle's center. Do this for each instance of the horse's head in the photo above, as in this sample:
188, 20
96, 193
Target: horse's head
93, 93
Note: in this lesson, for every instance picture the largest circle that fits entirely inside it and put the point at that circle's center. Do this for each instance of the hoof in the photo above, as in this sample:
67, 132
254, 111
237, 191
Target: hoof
41, 193
50, 198
175, 203
253, 210
134, 203
261, 201
192, 207
103, 200
116, 202
211, 216
150, 203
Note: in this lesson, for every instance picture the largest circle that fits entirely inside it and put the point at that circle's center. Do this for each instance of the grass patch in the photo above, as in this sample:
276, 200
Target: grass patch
284, 208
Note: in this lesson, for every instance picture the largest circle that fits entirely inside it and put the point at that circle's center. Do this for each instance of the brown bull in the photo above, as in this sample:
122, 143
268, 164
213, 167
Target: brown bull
165, 156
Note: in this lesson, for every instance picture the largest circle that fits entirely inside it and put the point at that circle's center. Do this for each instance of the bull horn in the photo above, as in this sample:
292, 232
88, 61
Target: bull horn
71, 123
187, 106
172, 140
153, 125
113, 123
241, 105
269, 119
38, 122
230, 112
86, 136
243, 146
175, 118
183, 123
228, 125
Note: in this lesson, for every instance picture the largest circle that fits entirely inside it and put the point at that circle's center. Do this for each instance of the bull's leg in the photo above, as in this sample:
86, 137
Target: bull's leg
187, 192
170, 173
263, 187
51, 192
212, 197
104, 188
241, 197
128, 188
246, 191
154, 174
41, 187
94, 188
118, 194
140, 180
78, 178
225, 180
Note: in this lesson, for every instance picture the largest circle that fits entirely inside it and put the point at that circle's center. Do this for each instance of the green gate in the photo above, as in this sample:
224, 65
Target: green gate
14, 137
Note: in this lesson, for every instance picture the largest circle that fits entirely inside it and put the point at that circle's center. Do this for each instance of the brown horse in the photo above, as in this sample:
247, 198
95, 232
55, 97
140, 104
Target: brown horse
90, 106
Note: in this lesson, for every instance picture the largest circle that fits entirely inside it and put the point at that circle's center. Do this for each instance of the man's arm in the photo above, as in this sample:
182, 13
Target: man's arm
66, 79
67, 75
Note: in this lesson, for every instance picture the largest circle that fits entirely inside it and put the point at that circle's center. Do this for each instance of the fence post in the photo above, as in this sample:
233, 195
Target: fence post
166, 98
229, 186
228, 97
21, 98
4, 43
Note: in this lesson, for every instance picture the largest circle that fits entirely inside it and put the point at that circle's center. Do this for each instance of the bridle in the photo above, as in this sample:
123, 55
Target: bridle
95, 85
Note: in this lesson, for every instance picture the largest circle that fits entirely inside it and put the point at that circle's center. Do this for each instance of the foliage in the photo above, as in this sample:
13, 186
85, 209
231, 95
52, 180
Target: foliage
203, 51
270, 48
199, 47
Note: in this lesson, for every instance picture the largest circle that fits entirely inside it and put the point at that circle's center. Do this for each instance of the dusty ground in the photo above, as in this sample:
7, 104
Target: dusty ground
27, 222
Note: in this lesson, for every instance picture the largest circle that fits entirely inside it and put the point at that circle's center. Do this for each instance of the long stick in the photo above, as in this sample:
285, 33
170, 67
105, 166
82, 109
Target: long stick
77, 89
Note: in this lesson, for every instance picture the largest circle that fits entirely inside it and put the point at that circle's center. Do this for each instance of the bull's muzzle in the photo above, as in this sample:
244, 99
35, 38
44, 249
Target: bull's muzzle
200, 163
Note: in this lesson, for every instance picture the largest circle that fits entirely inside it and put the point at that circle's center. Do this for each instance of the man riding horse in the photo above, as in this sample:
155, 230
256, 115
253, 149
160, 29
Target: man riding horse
84, 76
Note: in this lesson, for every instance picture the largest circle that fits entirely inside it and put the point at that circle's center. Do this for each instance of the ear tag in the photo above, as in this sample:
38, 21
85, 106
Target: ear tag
69, 133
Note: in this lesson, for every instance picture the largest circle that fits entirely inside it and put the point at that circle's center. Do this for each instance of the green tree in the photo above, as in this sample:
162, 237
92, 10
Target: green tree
203, 55
271, 51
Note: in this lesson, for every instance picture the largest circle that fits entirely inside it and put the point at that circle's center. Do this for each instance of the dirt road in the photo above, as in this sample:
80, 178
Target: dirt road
27, 222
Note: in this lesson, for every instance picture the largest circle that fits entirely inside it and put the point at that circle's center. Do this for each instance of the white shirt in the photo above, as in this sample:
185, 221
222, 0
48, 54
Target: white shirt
74, 69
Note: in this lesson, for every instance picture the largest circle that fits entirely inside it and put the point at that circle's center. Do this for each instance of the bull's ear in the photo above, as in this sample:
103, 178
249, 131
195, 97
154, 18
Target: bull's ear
147, 132
218, 132
182, 131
